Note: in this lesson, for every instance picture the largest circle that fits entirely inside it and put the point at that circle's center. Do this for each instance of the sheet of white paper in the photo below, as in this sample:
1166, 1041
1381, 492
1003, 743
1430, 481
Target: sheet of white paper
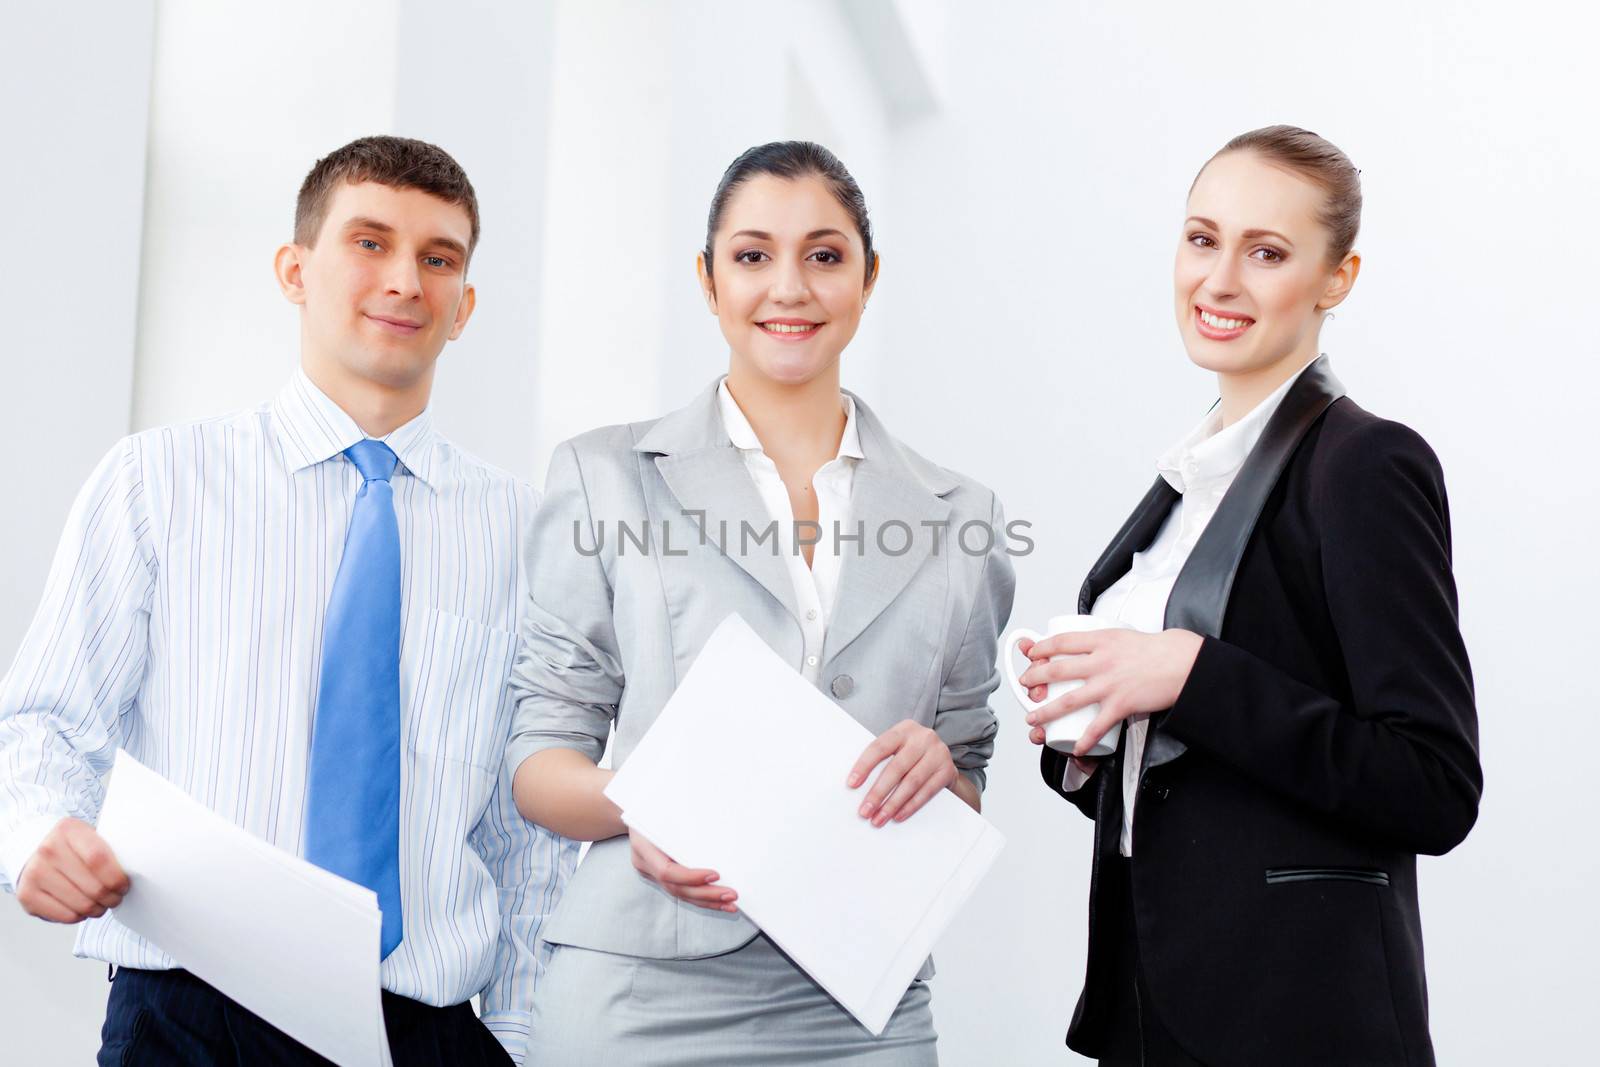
744, 772
291, 942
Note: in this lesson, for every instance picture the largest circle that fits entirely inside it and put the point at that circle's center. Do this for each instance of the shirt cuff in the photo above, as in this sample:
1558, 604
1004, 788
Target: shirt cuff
1073, 778
20, 845
511, 1029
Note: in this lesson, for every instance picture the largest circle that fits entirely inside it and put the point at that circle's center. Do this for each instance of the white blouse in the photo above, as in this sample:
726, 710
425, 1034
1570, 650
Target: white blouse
1201, 466
814, 586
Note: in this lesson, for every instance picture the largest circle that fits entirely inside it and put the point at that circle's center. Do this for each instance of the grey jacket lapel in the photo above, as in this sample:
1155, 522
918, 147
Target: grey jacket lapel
891, 486
1199, 599
707, 475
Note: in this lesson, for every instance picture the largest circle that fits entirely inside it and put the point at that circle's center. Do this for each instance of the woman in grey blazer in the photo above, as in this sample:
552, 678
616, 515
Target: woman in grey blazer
883, 578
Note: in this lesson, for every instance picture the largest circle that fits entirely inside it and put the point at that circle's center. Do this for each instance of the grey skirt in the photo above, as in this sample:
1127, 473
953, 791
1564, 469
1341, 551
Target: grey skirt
746, 1007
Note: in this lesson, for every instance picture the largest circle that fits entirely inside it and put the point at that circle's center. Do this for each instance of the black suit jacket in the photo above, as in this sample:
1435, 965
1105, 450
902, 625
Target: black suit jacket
1326, 735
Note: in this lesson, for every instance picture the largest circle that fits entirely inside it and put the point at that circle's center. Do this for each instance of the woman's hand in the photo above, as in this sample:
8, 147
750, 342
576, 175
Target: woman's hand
1036, 693
1086, 765
693, 886
919, 766
1126, 672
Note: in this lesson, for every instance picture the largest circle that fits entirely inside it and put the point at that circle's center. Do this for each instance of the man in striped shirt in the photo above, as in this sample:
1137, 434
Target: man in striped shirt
194, 616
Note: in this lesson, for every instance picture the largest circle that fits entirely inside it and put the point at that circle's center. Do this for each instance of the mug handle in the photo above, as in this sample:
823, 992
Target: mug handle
1009, 659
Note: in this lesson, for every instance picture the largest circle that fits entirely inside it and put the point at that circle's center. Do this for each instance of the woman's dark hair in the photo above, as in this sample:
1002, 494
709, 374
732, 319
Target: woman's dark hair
791, 160
1312, 157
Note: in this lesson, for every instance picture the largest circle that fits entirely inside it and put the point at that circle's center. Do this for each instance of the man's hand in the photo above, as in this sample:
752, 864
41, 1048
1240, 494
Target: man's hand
72, 876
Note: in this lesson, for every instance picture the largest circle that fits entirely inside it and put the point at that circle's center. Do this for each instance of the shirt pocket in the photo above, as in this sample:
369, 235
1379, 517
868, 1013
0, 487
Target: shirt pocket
459, 709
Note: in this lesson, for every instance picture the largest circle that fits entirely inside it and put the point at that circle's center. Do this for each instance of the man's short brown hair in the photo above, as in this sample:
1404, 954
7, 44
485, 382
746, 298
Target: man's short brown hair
398, 162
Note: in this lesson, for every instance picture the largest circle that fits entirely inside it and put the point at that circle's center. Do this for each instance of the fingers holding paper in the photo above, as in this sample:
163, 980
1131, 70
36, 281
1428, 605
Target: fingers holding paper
919, 765
693, 885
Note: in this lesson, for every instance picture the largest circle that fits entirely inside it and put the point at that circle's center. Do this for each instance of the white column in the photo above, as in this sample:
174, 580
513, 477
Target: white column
75, 121
478, 85
244, 100
607, 255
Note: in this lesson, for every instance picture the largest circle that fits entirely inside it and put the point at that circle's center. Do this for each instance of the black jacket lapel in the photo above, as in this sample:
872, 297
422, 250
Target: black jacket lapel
1199, 599
1136, 534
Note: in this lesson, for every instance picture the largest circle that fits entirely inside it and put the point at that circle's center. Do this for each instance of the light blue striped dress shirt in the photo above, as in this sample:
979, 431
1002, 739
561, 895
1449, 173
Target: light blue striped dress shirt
182, 621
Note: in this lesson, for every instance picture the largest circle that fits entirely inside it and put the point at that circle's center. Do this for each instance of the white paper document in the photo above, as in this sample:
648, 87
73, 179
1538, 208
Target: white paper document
291, 942
744, 772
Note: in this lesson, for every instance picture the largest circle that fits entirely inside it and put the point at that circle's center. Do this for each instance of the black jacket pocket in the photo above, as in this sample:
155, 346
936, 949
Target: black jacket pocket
1369, 875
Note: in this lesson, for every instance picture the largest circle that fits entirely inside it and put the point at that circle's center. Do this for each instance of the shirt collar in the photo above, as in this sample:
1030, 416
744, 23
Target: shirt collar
1211, 453
743, 435
313, 429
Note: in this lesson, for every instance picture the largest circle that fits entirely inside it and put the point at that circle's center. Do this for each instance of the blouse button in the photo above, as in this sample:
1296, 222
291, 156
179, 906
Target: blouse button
811, 661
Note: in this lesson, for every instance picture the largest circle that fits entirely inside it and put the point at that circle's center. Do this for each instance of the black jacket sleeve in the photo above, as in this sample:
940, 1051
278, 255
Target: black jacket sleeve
1399, 759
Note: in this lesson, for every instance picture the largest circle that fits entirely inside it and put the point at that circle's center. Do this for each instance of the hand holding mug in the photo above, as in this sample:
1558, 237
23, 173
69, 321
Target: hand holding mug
1086, 765
1063, 726
1117, 673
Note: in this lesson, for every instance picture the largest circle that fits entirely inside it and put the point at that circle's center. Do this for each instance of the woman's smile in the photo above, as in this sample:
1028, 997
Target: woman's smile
790, 329
1219, 325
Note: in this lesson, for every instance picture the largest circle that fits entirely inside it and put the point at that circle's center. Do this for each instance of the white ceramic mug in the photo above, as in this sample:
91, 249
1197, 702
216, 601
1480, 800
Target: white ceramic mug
1063, 733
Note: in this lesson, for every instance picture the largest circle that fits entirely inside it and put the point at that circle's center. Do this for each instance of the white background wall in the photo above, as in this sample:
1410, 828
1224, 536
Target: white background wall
1041, 209
1026, 165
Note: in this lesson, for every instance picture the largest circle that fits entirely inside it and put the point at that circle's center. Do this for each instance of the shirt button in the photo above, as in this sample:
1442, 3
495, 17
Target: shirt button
843, 686
811, 661
811, 616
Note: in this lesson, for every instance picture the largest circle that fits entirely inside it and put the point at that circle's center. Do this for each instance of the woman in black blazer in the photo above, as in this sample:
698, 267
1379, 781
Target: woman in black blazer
1300, 718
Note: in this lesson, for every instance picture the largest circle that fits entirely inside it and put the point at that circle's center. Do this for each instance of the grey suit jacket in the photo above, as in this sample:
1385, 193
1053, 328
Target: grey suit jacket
612, 627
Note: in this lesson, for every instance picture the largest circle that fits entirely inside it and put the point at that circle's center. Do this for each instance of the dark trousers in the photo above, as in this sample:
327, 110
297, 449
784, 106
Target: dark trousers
1136, 1036
172, 1017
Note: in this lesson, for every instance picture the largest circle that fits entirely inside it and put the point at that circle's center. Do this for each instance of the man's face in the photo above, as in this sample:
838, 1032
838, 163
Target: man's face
385, 286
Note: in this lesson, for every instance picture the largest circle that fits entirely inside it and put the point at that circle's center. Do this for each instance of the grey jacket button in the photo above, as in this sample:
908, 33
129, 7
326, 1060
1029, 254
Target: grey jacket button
843, 686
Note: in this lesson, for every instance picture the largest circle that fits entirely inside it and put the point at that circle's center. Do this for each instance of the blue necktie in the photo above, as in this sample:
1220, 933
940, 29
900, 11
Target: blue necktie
353, 789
